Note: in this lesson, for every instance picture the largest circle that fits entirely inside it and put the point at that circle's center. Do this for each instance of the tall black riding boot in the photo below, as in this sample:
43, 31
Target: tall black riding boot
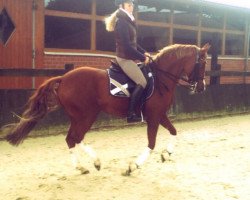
134, 99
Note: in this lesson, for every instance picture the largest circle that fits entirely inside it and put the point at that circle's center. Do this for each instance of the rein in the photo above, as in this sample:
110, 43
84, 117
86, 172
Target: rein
173, 77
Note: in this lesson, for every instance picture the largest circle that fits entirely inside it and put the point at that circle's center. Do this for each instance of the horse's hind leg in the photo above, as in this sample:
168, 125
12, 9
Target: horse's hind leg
76, 133
92, 154
166, 153
75, 156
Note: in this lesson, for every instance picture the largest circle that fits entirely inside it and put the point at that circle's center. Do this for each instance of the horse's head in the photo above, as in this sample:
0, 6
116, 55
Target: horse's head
175, 61
196, 73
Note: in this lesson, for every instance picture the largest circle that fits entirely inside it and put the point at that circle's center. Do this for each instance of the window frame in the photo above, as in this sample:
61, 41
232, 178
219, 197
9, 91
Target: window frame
93, 17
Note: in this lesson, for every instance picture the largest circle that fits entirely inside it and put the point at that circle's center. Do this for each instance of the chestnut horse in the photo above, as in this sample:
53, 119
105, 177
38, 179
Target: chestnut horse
84, 92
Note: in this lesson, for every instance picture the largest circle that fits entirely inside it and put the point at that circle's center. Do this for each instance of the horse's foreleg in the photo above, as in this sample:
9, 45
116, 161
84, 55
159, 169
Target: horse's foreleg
165, 122
138, 162
141, 159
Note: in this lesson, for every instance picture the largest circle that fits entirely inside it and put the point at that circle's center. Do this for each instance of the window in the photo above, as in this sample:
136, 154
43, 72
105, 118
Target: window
105, 7
216, 25
212, 18
105, 41
152, 11
152, 38
212, 38
234, 44
249, 45
182, 36
235, 23
67, 33
186, 14
6, 26
77, 6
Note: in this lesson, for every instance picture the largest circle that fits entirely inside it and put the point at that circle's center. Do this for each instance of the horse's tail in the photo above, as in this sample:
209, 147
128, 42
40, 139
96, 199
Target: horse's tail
39, 104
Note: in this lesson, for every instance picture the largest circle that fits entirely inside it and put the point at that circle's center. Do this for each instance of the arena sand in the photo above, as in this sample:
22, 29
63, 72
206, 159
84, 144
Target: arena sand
211, 162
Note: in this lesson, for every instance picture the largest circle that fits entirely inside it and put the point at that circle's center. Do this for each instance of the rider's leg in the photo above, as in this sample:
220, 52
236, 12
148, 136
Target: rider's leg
131, 69
134, 99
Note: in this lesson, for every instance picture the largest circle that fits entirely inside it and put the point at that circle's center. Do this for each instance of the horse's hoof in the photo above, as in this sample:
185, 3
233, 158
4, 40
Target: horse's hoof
83, 170
97, 164
163, 159
165, 155
126, 172
132, 167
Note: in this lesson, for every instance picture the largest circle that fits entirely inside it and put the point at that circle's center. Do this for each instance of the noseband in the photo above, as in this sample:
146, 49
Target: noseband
195, 75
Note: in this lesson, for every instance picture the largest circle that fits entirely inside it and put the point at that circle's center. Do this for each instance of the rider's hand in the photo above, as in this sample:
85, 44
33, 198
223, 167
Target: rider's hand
147, 54
147, 60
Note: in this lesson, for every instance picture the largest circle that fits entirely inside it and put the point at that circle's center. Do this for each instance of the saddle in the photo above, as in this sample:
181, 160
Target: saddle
121, 85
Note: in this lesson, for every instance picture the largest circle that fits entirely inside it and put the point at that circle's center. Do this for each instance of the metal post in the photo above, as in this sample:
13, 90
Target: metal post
34, 7
214, 59
247, 45
68, 67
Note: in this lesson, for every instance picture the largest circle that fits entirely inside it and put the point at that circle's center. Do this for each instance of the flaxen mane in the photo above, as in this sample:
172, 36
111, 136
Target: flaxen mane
177, 50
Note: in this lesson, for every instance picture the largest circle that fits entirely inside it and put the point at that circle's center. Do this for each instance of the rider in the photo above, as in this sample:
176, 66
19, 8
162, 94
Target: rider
122, 22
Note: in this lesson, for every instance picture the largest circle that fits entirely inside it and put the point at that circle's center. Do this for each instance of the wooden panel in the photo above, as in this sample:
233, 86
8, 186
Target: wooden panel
18, 50
39, 34
17, 53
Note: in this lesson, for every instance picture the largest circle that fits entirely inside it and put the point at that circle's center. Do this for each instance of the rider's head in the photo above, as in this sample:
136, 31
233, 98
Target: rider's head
127, 5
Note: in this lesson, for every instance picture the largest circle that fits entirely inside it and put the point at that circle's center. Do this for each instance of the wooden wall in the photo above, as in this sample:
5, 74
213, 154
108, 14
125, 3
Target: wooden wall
17, 52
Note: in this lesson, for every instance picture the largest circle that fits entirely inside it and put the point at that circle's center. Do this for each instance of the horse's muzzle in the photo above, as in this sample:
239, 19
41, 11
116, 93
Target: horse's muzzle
200, 86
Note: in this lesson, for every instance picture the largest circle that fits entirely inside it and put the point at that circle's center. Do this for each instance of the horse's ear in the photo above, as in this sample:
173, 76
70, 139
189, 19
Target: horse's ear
206, 47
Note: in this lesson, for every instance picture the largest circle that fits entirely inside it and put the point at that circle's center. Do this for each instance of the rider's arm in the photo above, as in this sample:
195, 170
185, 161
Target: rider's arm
139, 48
123, 31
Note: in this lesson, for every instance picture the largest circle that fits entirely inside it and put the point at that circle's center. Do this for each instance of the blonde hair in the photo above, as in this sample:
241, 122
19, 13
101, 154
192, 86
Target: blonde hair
110, 21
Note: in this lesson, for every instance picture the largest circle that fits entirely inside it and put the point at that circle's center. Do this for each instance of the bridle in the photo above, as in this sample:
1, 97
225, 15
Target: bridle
194, 76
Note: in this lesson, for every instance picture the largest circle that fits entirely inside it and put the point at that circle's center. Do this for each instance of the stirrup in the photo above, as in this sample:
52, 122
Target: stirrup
133, 118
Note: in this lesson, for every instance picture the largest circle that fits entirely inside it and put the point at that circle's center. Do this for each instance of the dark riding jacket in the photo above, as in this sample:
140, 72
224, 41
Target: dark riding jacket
125, 36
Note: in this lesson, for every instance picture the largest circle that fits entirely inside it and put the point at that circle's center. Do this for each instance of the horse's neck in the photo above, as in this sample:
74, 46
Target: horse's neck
175, 61
173, 67
167, 78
